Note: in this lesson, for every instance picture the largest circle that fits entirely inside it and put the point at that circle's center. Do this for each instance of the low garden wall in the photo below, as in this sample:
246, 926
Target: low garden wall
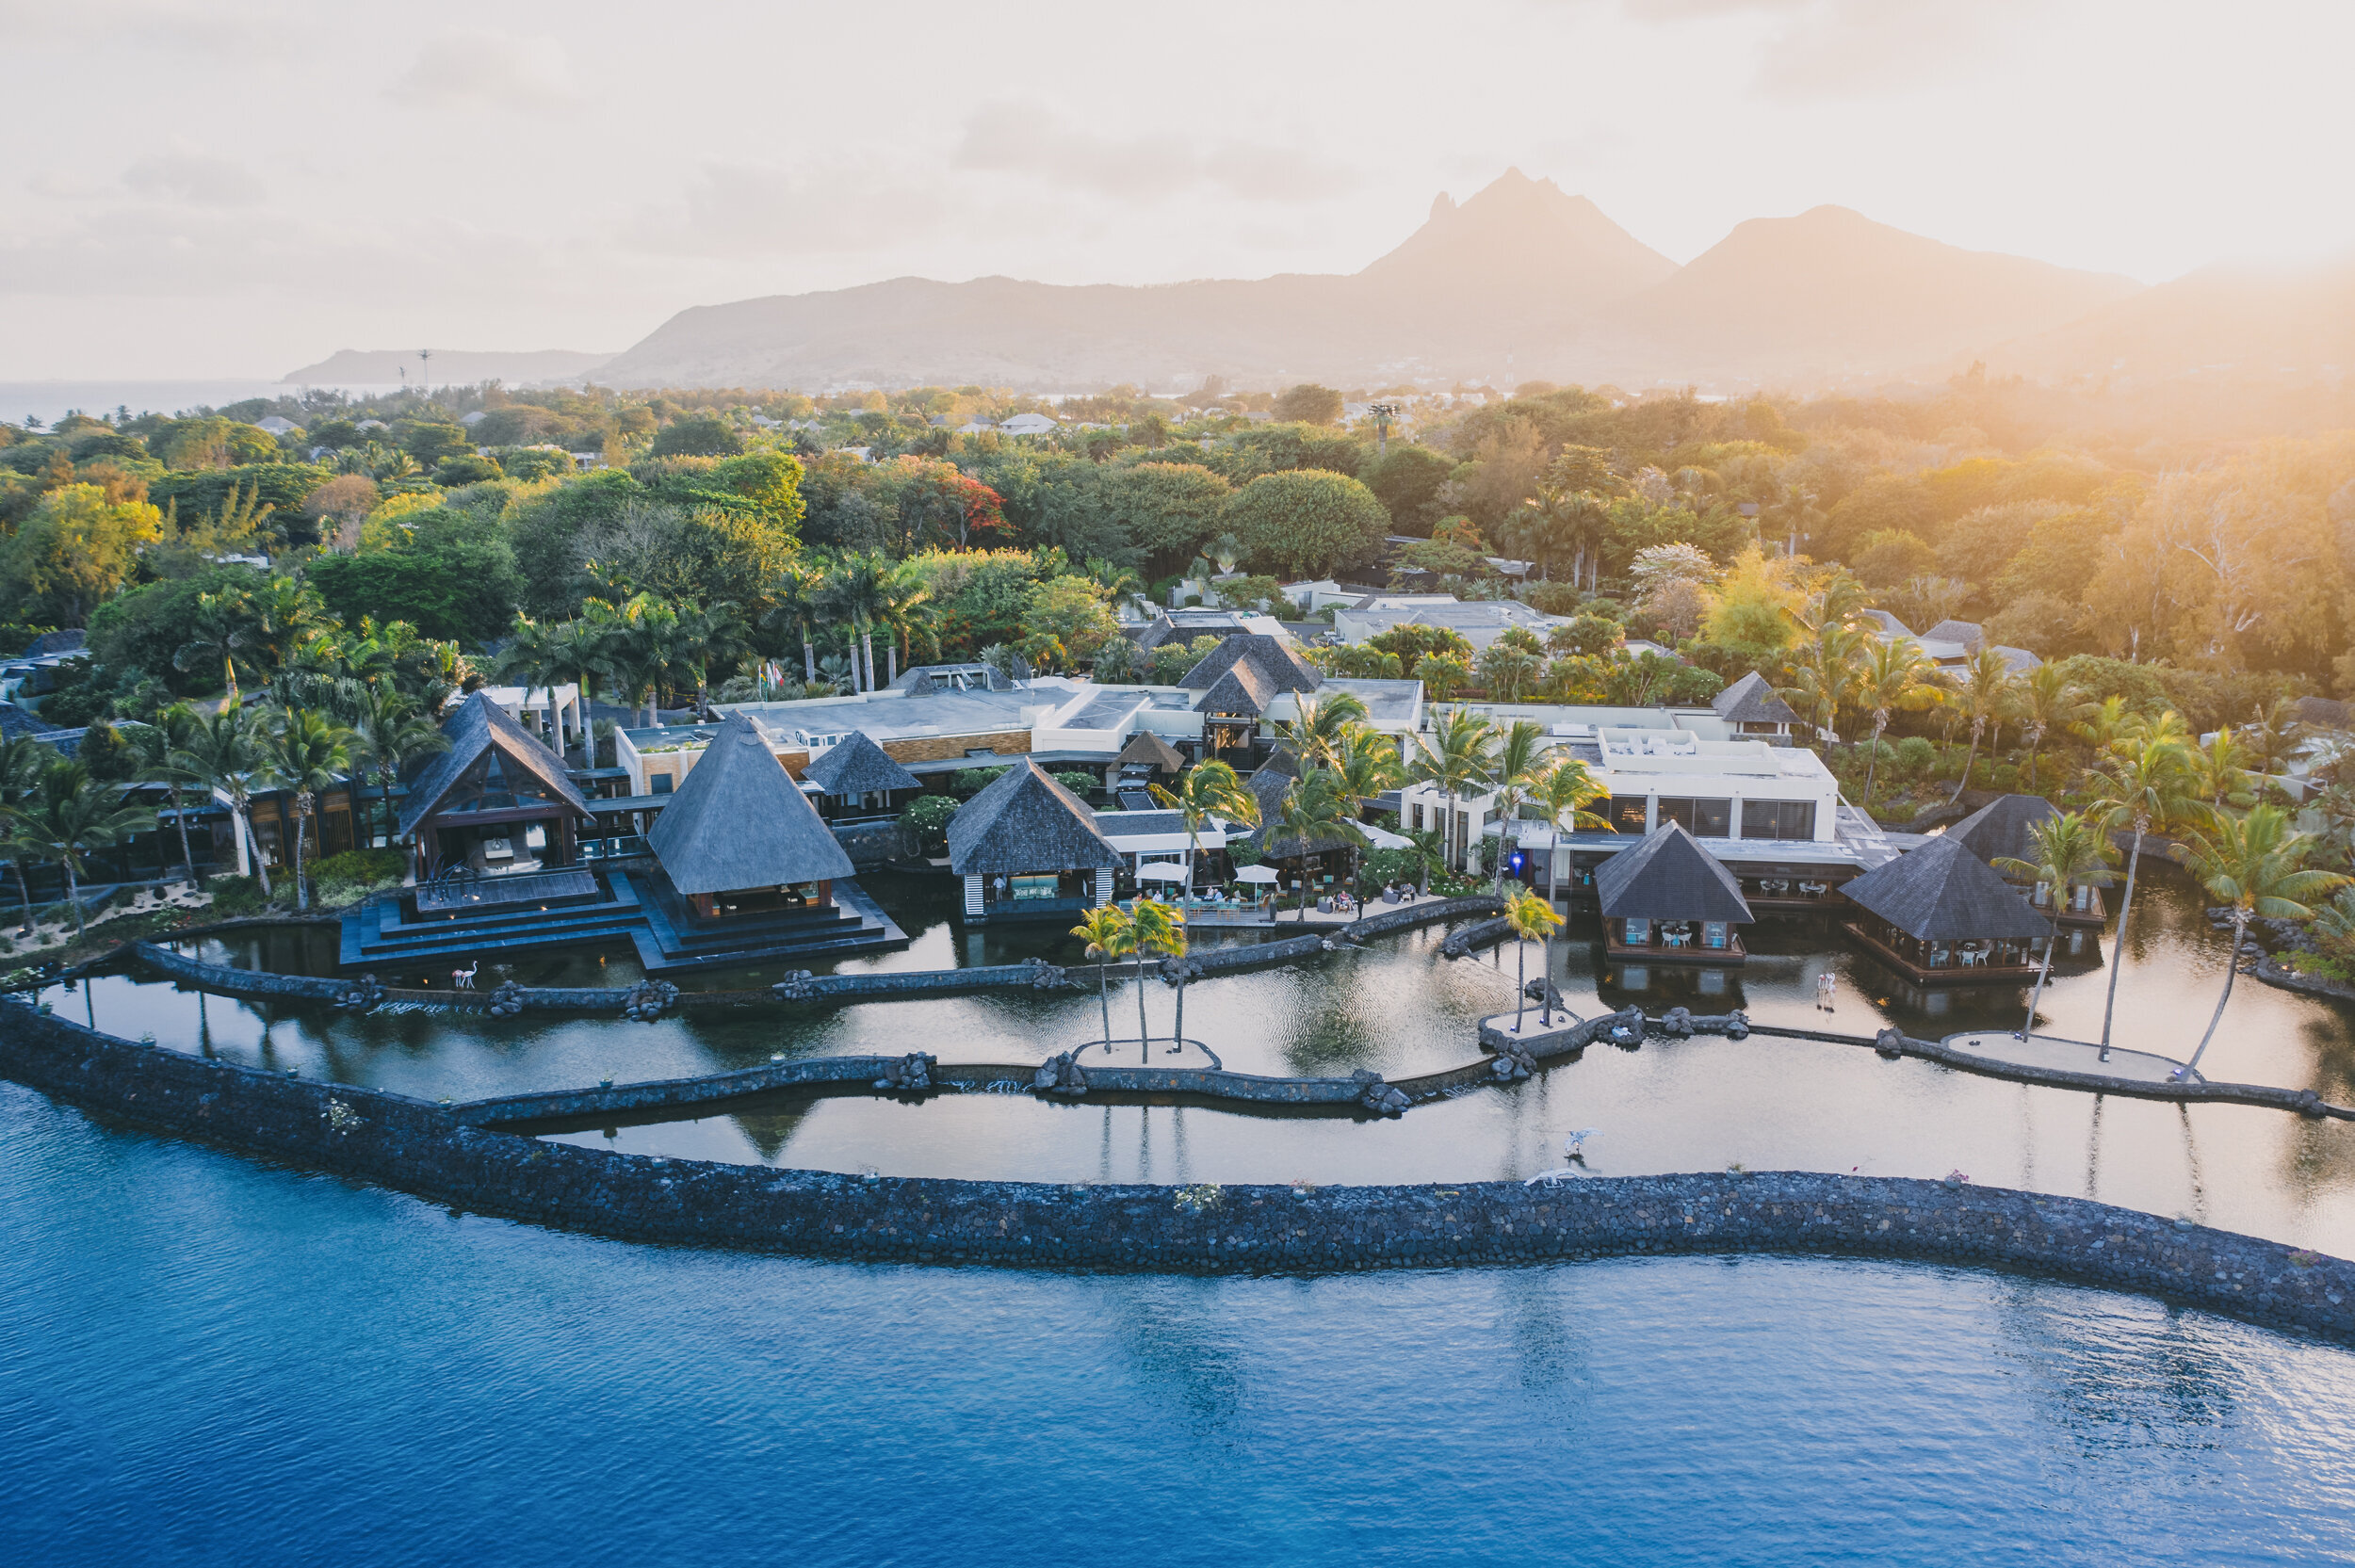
436, 1152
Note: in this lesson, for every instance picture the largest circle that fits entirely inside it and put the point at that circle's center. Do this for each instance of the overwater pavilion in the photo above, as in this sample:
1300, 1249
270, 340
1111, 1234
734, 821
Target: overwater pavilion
1942, 914
1028, 847
860, 779
1668, 901
498, 803
1147, 759
2000, 829
740, 839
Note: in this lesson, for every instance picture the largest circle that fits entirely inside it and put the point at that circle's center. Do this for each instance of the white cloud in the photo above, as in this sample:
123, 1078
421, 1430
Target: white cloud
194, 179
1022, 138
1834, 49
487, 70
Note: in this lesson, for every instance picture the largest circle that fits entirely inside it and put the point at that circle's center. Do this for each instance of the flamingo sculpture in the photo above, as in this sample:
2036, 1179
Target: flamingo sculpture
463, 978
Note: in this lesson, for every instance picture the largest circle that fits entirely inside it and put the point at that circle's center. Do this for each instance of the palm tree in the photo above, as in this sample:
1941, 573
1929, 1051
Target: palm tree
1895, 673
853, 595
2254, 866
1316, 807
577, 647
2065, 851
305, 753
2105, 723
1454, 755
2148, 786
223, 757
390, 733
2046, 698
2219, 770
1319, 725
796, 597
1109, 935
708, 635
1984, 696
22, 761
533, 658
2274, 736
157, 746
1825, 674
1519, 758
1152, 926
1366, 763
1529, 916
1430, 849
1208, 789
221, 629
635, 649
902, 604
70, 814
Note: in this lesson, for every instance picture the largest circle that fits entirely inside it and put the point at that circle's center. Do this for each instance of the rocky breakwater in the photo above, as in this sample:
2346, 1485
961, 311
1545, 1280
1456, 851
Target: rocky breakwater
432, 1152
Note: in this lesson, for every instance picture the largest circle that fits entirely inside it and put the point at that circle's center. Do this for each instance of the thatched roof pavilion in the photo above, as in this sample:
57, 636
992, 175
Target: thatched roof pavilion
2001, 826
1277, 664
497, 781
738, 822
1751, 701
1669, 899
1941, 913
1145, 749
1027, 846
856, 765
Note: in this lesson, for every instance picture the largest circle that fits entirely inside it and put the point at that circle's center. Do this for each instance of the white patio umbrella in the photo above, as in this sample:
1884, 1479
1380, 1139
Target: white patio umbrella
1161, 871
1258, 874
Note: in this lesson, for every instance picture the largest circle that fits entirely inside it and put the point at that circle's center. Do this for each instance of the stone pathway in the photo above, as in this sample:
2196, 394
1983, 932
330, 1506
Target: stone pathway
2068, 1056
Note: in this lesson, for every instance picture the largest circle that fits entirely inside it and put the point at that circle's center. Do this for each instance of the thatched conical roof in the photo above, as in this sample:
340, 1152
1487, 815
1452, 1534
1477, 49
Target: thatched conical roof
1751, 701
480, 733
2001, 826
1943, 893
859, 767
738, 821
1277, 666
1670, 877
1145, 745
1026, 821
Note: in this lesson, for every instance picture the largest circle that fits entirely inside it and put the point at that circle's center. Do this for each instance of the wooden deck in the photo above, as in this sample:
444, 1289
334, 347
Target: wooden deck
2094, 913
2011, 974
1715, 958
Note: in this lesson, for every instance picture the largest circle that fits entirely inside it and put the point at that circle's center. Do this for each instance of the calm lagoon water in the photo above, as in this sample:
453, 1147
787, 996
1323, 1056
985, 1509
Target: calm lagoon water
208, 1360
1400, 1009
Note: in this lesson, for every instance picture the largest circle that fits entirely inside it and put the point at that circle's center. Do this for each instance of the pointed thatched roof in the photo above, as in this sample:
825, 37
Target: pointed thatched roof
1242, 691
1670, 877
1026, 821
2001, 826
1943, 893
1751, 701
1145, 745
738, 821
480, 733
1278, 667
858, 767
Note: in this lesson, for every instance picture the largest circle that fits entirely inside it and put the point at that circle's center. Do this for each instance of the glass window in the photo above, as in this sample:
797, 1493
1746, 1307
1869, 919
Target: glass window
1712, 819
1036, 888
1637, 932
1784, 819
1678, 809
660, 783
1713, 934
1625, 814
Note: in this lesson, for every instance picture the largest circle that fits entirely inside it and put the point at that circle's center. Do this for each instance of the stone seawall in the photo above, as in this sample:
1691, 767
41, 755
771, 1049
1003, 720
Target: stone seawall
434, 1153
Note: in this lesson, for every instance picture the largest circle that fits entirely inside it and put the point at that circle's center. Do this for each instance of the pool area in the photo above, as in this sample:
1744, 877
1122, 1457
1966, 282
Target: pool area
204, 1356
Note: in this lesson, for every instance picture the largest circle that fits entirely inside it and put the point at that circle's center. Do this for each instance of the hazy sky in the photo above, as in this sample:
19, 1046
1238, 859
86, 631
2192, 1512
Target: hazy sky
236, 188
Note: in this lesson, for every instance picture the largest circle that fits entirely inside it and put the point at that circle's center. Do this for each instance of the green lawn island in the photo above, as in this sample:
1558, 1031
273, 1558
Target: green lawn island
860, 781
1668, 901
1029, 849
1942, 914
2000, 829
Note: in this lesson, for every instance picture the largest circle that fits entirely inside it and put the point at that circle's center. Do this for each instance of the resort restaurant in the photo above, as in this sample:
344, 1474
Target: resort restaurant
1939, 913
739, 838
1029, 849
1668, 899
1999, 830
